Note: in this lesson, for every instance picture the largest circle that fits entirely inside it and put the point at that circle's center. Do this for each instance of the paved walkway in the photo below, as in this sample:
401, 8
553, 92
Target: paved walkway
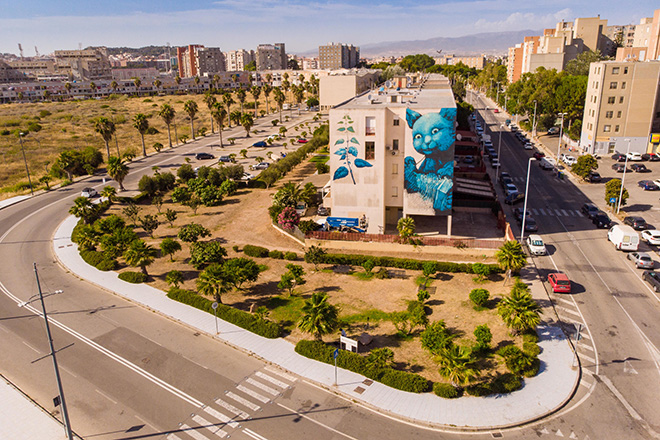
540, 395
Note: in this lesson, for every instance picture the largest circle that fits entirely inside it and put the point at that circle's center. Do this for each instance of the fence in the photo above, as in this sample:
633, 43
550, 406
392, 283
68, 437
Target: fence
427, 241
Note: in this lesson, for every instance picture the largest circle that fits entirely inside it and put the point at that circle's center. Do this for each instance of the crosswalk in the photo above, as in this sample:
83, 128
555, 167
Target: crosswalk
222, 417
555, 212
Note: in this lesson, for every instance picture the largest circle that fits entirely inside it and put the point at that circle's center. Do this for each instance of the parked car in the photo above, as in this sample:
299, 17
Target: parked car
535, 245
248, 176
225, 159
260, 144
513, 198
495, 163
468, 160
495, 110
639, 168
547, 163
322, 210
302, 141
619, 167
617, 156
651, 157
593, 177
623, 237
506, 181
653, 278
260, 166
538, 155
301, 209
601, 220
648, 185
204, 156
528, 146
510, 187
590, 210
518, 214
88, 192
651, 236
504, 174
657, 182
637, 223
634, 156
559, 282
641, 259
513, 128
553, 130
530, 224
569, 160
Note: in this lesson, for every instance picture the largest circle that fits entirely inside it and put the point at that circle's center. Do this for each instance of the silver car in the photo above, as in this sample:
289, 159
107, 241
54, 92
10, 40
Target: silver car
641, 259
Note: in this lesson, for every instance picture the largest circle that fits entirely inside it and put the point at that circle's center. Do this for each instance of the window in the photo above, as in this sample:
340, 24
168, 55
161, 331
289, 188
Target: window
613, 85
611, 100
369, 150
609, 114
618, 114
395, 191
370, 125
625, 70
607, 128
615, 70
395, 144
395, 168
616, 128
395, 122
623, 85
621, 100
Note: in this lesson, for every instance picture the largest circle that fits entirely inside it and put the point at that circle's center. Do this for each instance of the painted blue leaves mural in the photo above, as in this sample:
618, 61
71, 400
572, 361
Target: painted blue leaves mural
348, 154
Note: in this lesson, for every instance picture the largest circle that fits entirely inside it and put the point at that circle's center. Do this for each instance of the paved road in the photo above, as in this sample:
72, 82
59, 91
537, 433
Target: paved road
619, 347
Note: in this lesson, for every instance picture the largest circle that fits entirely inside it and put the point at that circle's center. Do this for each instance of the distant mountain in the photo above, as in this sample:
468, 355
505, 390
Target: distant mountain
144, 51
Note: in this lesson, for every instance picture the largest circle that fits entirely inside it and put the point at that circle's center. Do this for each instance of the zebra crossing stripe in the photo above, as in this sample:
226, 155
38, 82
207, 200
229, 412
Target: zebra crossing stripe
254, 394
280, 373
534, 211
193, 433
242, 401
173, 437
272, 380
210, 426
223, 418
586, 347
584, 356
542, 211
565, 301
558, 213
564, 212
238, 412
263, 387
565, 310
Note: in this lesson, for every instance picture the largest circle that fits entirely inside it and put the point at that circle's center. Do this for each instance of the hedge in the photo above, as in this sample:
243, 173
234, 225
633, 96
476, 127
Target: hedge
255, 251
402, 263
245, 320
447, 390
277, 255
107, 264
291, 256
501, 384
133, 277
400, 380
93, 258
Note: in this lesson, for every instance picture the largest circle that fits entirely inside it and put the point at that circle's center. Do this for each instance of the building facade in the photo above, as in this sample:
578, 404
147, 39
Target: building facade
393, 154
338, 56
84, 65
209, 61
340, 86
236, 60
185, 57
271, 57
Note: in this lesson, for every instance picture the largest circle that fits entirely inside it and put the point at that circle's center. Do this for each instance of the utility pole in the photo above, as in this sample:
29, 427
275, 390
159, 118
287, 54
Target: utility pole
534, 123
20, 139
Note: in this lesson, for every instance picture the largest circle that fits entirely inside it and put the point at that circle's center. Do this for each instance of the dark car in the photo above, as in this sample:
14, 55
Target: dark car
653, 278
636, 222
504, 174
518, 214
530, 225
506, 181
589, 209
648, 185
322, 210
653, 157
225, 159
513, 198
639, 168
203, 156
617, 156
260, 144
601, 220
619, 167
593, 177
538, 155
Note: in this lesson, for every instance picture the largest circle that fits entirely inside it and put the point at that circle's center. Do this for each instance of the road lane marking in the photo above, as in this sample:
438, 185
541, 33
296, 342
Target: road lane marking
564, 309
272, 380
232, 409
210, 426
330, 428
254, 435
254, 394
173, 437
218, 415
263, 387
106, 396
242, 401
29, 346
608, 383
589, 358
281, 373
565, 301
558, 213
586, 347
193, 433
563, 211
542, 211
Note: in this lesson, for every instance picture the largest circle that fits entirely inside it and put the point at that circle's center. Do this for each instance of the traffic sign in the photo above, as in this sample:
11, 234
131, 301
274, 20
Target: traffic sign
336, 353
612, 200
214, 305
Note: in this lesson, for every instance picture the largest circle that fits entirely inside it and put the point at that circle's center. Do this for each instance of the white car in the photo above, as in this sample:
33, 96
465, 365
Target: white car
89, 192
536, 245
528, 146
570, 160
634, 156
651, 236
495, 163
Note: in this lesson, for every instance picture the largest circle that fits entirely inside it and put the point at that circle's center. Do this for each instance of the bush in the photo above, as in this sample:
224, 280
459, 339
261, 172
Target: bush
519, 362
235, 248
446, 390
306, 226
531, 348
107, 264
401, 263
401, 380
291, 256
245, 320
93, 258
382, 274
255, 251
278, 255
479, 297
484, 336
133, 277
500, 384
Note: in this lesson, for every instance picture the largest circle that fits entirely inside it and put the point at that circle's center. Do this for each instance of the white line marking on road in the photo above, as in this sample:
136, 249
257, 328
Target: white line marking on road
272, 380
173, 437
317, 422
223, 418
610, 385
563, 211
634, 272
589, 358
254, 394
263, 387
242, 401
145, 422
193, 433
68, 371
586, 347
106, 396
579, 213
254, 435
558, 213
534, 211
565, 301
564, 309
280, 373
29, 346
210, 426
542, 211
231, 409
2, 327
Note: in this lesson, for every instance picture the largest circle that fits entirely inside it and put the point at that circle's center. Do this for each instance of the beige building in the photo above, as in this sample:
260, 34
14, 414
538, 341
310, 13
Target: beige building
84, 65
338, 56
271, 57
646, 42
341, 86
452, 60
514, 63
622, 104
236, 60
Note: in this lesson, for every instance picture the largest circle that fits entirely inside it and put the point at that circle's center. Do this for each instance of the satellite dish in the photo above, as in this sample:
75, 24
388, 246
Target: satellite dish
459, 137
388, 83
369, 97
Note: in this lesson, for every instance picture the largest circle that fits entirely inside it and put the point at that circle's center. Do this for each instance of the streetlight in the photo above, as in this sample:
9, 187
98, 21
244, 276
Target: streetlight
534, 123
522, 230
506, 100
561, 133
214, 306
499, 149
623, 179
20, 139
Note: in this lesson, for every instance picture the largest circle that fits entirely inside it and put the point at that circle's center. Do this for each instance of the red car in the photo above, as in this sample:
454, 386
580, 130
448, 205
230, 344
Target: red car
302, 141
559, 282
496, 111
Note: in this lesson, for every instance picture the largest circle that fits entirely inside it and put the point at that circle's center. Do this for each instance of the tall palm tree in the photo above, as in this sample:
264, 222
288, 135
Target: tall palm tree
140, 254
138, 82
219, 113
106, 128
210, 101
279, 99
241, 95
235, 117
92, 87
177, 80
114, 86
519, 311
267, 88
110, 193
117, 170
141, 124
167, 112
83, 209
269, 78
68, 87
299, 94
286, 85
456, 365
212, 281
289, 195
255, 91
319, 316
511, 258
191, 108
157, 84
216, 80
227, 100
196, 80
247, 122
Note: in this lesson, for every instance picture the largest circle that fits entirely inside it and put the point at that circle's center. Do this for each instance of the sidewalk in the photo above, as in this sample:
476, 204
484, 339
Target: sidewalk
542, 394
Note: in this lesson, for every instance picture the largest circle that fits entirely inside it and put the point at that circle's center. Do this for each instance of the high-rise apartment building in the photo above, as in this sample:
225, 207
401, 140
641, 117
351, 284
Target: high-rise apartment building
236, 60
186, 60
197, 60
514, 63
85, 65
271, 57
622, 105
338, 56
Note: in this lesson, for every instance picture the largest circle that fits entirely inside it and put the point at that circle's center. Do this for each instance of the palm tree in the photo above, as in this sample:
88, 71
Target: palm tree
212, 281
219, 113
110, 193
227, 100
511, 258
191, 108
114, 86
519, 311
92, 87
157, 84
406, 227
286, 85
210, 101
141, 124
68, 87
106, 128
299, 94
279, 99
140, 254
319, 316
456, 365
117, 170
256, 91
177, 80
267, 88
235, 116
269, 78
241, 95
83, 209
196, 80
289, 195
138, 82
216, 80
247, 122
167, 113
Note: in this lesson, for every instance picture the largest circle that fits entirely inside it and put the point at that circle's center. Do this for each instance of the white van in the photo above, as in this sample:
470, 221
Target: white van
624, 237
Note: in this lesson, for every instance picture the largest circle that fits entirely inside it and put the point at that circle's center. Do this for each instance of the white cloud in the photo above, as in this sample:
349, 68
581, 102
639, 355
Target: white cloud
528, 20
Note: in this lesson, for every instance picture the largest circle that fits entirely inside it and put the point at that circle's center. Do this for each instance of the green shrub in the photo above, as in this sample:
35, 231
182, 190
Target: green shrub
519, 362
107, 264
133, 277
401, 263
531, 348
484, 336
278, 255
291, 256
235, 248
505, 383
93, 258
530, 336
446, 390
382, 274
245, 320
255, 251
306, 226
479, 297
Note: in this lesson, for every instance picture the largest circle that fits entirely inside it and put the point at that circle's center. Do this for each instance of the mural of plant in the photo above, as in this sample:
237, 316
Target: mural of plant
348, 150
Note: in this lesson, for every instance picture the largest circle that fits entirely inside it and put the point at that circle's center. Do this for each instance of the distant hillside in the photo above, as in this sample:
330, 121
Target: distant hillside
145, 51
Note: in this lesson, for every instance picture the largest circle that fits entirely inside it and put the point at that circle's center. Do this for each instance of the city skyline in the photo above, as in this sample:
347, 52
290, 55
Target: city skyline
303, 26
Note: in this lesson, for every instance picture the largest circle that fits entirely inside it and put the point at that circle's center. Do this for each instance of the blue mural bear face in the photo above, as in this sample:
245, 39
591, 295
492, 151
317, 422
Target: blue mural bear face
433, 133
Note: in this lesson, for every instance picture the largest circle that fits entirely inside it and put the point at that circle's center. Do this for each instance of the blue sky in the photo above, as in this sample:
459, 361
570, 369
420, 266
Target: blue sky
301, 25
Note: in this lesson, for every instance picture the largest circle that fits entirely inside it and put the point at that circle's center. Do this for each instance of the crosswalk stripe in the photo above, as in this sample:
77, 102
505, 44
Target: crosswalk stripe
254, 394
542, 211
563, 309
223, 418
280, 373
557, 212
263, 387
579, 213
534, 211
272, 380
587, 347
193, 433
243, 401
584, 383
210, 426
565, 301
589, 358
564, 212
231, 408
588, 372
173, 437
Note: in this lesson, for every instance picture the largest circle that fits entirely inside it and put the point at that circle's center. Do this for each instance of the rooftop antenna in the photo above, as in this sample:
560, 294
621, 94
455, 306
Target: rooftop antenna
79, 46
36, 51
20, 49
169, 56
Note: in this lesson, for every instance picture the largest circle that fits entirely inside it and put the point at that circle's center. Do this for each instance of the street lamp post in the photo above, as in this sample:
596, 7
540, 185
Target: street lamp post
499, 158
20, 139
534, 123
506, 100
561, 134
522, 230
623, 179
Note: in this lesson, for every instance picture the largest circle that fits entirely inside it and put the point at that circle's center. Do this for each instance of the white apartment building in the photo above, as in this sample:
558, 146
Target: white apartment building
236, 60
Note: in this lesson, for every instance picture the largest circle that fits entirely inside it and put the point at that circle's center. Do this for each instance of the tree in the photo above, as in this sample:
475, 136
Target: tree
279, 99
380, 358
584, 165
484, 336
315, 255
167, 113
109, 193
191, 108
406, 227
238, 271
436, 337
211, 281
149, 223
299, 95
193, 203
612, 191
174, 278
580, 64
428, 270
170, 246
241, 94
481, 270
117, 170
415, 63
157, 84
228, 101
266, 89
170, 216
204, 253
141, 124
255, 91
140, 254
243, 153
456, 365
518, 310
219, 114
132, 212
319, 316
247, 122
210, 102
511, 257
115, 243
287, 282
106, 128
84, 209
192, 232
138, 83
68, 86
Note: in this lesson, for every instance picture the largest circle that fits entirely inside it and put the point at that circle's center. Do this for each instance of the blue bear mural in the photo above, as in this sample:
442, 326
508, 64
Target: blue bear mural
433, 138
